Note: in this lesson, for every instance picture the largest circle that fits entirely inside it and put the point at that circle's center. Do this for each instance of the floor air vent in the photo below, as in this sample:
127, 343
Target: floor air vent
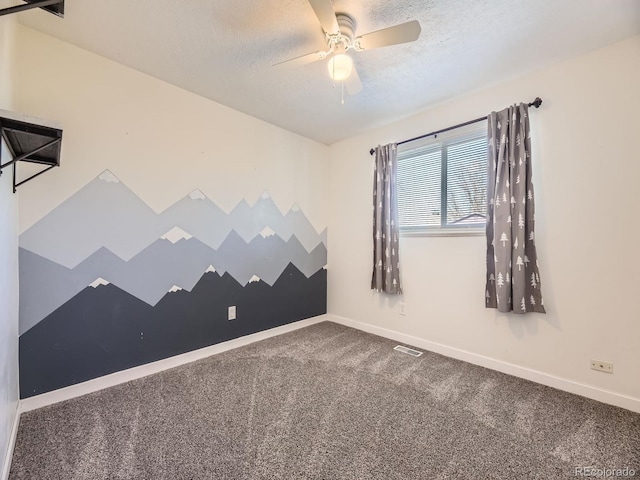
408, 351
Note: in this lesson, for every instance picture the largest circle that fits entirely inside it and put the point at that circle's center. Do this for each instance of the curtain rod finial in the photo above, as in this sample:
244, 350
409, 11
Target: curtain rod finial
536, 103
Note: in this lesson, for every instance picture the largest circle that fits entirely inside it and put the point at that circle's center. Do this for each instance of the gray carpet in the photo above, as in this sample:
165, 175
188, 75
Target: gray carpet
325, 402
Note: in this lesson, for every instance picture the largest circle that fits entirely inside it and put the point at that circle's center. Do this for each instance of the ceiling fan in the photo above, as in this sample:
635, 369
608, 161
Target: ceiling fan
339, 29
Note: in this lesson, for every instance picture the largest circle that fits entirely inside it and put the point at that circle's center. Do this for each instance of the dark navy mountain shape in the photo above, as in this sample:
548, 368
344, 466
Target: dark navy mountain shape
105, 329
45, 285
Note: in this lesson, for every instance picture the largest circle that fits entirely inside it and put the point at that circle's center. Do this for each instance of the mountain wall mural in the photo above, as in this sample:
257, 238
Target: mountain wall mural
106, 283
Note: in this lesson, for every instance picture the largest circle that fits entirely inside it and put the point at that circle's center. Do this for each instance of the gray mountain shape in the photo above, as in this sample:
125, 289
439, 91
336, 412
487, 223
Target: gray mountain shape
110, 215
307, 263
247, 221
266, 258
151, 274
45, 285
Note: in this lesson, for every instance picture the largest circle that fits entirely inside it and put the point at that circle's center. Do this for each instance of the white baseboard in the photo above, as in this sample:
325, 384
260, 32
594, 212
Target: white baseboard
117, 378
134, 373
570, 386
6, 466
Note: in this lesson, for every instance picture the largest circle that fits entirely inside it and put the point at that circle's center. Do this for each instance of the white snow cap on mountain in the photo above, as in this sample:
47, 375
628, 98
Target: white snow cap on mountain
174, 289
295, 207
108, 177
265, 195
253, 279
98, 281
210, 269
197, 195
176, 234
267, 232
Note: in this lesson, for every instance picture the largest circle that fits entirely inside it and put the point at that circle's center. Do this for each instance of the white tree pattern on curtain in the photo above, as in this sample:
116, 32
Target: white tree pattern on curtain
513, 277
386, 263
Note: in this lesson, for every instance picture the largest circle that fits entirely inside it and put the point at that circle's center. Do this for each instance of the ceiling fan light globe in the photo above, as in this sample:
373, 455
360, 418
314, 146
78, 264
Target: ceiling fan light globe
340, 67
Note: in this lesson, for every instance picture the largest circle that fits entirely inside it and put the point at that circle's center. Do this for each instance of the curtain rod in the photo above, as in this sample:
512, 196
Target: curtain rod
536, 103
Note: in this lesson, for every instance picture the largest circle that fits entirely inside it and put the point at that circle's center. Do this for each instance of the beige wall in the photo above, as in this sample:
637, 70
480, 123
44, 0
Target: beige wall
586, 170
8, 257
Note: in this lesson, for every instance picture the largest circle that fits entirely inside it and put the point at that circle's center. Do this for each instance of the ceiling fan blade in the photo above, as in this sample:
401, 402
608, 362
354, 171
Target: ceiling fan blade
326, 16
403, 33
353, 83
302, 60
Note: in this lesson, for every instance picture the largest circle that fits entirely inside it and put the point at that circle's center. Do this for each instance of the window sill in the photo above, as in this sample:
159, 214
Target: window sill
444, 232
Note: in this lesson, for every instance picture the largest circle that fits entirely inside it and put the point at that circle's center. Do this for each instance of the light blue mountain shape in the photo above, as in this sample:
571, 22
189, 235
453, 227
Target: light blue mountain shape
296, 223
200, 217
102, 213
45, 286
105, 213
249, 221
207, 222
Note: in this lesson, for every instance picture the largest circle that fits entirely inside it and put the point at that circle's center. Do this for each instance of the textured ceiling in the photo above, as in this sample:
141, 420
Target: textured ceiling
224, 50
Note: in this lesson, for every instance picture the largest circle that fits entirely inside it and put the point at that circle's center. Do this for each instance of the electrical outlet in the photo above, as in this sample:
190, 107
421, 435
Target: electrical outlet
601, 366
232, 312
403, 308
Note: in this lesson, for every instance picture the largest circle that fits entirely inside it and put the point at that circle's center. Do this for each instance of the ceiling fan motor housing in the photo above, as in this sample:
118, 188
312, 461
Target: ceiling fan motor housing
347, 26
339, 30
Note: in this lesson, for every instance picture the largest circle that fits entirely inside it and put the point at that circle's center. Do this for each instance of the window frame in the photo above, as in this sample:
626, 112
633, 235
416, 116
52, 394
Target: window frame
455, 137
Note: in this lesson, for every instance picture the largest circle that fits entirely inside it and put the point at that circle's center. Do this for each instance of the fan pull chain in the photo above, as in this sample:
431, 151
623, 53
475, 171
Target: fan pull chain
343, 92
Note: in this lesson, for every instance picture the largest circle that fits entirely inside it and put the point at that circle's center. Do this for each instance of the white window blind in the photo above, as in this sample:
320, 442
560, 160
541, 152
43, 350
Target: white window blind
419, 178
442, 184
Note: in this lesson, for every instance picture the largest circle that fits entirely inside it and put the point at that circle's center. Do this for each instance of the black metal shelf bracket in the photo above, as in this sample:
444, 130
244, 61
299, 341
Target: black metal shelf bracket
52, 6
29, 142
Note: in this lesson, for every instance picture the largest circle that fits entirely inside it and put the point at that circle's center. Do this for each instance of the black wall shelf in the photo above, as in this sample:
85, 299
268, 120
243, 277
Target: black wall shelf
32, 143
52, 6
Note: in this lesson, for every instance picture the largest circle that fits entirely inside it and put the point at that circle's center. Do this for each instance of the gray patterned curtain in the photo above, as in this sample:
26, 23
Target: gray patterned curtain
513, 279
386, 264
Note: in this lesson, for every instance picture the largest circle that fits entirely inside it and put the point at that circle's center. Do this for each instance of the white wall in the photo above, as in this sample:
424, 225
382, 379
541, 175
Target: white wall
586, 170
161, 141
8, 259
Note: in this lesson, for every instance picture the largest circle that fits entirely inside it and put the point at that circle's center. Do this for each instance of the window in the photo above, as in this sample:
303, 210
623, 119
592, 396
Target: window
442, 184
